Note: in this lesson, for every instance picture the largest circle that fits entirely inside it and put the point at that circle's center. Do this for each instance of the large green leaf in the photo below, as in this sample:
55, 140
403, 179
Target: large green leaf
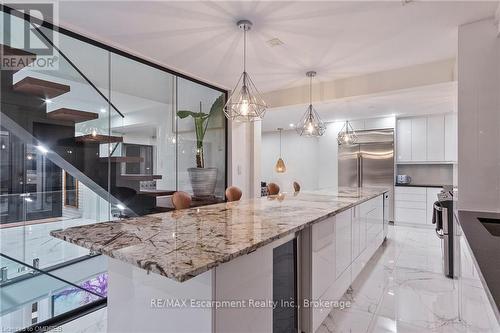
186, 113
218, 105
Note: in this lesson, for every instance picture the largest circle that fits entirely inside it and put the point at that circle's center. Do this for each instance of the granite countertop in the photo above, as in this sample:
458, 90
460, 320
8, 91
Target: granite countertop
183, 244
485, 248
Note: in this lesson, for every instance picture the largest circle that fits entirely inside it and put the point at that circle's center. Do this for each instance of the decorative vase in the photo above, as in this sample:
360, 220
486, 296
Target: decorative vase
203, 181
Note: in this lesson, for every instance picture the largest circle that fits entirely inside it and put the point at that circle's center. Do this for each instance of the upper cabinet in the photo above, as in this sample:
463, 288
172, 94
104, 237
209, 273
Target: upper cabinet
435, 138
428, 139
418, 139
403, 139
450, 137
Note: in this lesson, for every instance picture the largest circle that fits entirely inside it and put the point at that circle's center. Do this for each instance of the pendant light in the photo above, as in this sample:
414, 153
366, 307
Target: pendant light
347, 136
245, 102
310, 124
280, 164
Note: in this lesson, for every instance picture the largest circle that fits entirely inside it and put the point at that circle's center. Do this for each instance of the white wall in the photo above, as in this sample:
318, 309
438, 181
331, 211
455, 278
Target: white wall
310, 161
479, 116
301, 159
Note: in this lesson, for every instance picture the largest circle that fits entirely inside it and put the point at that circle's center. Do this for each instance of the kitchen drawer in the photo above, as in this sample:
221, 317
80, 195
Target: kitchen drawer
410, 190
411, 197
410, 204
409, 215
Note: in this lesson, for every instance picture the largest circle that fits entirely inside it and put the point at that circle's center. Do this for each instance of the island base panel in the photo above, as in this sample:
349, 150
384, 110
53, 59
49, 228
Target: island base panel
137, 301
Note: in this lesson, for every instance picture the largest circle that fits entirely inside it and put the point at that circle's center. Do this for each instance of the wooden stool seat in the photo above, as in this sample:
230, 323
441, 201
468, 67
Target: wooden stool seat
181, 200
233, 193
273, 189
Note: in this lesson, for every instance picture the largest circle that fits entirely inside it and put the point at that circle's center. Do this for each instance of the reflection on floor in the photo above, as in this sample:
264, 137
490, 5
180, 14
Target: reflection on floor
94, 322
402, 289
26, 243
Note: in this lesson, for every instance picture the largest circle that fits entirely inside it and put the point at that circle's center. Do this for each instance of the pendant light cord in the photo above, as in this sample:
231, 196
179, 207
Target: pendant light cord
310, 90
245, 50
280, 142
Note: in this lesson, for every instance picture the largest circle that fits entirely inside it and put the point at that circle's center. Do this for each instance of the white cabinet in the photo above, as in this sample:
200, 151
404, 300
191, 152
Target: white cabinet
451, 137
410, 205
435, 138
343, 246
323, 256
340, 247
378, 123
419, 139
414, 204
474, 306
403, 139
428, 139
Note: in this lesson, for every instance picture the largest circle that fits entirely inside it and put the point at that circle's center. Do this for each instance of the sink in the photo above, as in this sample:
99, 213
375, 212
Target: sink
492, 225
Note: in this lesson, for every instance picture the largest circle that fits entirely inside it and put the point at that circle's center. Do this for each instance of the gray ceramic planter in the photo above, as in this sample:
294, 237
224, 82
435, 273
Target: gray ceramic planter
203, 181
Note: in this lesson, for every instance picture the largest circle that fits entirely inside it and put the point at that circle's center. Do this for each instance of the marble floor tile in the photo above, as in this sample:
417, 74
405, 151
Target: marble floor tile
26, 243
402, 289
95, 322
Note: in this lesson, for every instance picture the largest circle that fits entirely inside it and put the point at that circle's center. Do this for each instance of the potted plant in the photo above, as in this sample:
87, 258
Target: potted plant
203, 180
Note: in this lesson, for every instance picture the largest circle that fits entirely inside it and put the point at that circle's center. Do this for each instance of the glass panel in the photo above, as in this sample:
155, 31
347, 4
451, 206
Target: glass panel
201, 141
143, 168
75, 149
285, 287
52, 129
36, 297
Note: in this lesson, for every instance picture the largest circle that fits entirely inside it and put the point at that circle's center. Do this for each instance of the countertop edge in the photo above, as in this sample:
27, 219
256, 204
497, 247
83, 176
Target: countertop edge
185, 276
421, 185
495, 303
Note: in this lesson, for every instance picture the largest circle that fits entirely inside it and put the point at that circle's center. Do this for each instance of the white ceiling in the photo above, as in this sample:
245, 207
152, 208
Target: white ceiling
338, 39
432, 99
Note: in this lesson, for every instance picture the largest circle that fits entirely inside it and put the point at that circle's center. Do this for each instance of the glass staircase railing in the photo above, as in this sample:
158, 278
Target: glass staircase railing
41, 297
55, 172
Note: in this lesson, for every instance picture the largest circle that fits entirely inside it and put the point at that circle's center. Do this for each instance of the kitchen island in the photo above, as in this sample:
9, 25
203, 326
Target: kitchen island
237, 267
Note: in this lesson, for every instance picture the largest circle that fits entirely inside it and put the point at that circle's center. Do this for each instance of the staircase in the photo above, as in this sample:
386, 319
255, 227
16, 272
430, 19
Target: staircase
55, 130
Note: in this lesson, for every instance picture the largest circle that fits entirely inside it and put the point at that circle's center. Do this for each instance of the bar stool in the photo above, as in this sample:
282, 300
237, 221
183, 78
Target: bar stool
181, 200
273, 189
233, 193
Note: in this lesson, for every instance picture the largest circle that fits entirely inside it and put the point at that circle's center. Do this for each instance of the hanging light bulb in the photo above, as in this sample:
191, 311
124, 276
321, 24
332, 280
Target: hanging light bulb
311, 124
280, 164
245, 102
347, 136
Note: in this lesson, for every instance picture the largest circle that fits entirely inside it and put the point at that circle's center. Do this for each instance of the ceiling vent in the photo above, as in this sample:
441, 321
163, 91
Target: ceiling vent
275, 42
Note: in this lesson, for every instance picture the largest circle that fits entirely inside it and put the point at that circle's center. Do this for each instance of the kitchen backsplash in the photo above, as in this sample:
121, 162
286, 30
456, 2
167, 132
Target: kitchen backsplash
427, 174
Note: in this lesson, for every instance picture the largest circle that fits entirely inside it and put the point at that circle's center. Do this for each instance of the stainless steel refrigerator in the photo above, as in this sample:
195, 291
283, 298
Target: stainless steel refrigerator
369, 162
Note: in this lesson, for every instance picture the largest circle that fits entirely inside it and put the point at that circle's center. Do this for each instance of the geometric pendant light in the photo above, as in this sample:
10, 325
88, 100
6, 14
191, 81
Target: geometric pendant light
347, 136
245, 102
310, 125
280, 164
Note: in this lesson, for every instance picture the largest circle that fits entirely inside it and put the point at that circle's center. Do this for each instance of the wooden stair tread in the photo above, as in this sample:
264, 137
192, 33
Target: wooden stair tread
141, 177
76, 116
26, 58
123, 159
41, 88
99, 138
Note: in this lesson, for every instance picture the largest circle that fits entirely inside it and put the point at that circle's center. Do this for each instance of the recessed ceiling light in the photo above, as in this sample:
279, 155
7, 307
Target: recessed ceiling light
103, 110
292, 125
275, 42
